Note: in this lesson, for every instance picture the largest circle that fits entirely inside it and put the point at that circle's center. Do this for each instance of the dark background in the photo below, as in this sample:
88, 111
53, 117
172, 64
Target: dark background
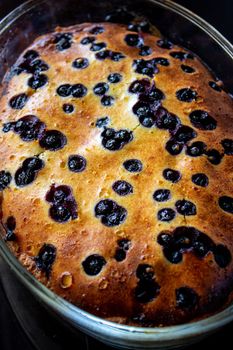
220, 15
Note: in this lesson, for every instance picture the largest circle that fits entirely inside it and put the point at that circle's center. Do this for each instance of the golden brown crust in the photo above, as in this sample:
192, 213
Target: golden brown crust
111, 293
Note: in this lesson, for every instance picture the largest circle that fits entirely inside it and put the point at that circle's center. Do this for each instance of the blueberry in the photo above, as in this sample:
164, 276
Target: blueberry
186, 298
185, 207
116, 56
171, 175
165, 239
162, 195
173, 255
18, 101
146, 291
29, 128
11, 223
162, 61
173, 147
68, 108
114, 78
37, 66
78, 90
8, 127
196, 149
88, 40
222, 255
102, 55
144, 67
202, 244
226, 204
186, 95
143, 26
97, 30
124, 243
183, 238
30, 55
145, 50
123, 188
45, 258
77, 163
53, 140
37, 81
107, 101
139, 86
97, 46
166, 120
24, 177
101, 122
166, 214
105, 207
146, 121
93, 264
213, 156
165, 44
119, 16
100, 89
134, 40
120, 254
5, 179
228, 146
200, 179
64, 90
181, 55
59, 194
156, 94
133, 165
142, 108
80, 63
33, 163
215, 86
187, 69
202, 120
184, 133
59, 213
110, 212
63, 41
145, 272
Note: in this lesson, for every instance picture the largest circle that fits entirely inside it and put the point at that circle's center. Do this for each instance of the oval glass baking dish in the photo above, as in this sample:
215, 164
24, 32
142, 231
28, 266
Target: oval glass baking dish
36, 17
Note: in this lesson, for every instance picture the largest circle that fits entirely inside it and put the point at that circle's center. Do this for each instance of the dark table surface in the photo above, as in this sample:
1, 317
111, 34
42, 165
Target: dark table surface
219, 14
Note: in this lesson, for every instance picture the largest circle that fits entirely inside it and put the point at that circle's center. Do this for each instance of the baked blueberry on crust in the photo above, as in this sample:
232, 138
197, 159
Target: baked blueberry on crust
116, 170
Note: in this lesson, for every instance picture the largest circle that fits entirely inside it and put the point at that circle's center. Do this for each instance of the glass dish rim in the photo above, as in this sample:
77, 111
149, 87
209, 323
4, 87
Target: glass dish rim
72, 312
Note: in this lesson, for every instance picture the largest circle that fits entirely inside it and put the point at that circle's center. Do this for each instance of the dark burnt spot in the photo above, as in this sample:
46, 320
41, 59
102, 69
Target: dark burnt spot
45, 258
111, 213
